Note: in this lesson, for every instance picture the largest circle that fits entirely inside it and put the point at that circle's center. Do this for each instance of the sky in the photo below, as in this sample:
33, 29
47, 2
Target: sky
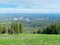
29, 6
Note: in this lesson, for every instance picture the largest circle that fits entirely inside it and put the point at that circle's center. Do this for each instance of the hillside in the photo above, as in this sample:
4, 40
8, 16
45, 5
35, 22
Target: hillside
29, 39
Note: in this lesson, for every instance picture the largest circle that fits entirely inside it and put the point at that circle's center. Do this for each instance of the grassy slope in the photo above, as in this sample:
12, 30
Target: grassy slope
30, 39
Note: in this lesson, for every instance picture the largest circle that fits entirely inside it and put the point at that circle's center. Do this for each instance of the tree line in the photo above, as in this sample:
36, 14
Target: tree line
51, 29
11, 28
16, 28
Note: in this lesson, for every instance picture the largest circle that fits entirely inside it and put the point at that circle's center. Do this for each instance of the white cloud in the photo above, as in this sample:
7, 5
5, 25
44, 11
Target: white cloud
30, 2
31, 6
17, 10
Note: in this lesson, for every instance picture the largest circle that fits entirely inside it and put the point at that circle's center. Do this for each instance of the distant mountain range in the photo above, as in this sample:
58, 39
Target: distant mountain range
28, 17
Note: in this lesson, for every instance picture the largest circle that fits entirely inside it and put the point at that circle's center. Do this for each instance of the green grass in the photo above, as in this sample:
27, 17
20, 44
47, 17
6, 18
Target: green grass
29, 39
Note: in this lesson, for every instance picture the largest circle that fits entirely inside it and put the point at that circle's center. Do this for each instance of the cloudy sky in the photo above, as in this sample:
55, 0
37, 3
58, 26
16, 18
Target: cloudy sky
30, 6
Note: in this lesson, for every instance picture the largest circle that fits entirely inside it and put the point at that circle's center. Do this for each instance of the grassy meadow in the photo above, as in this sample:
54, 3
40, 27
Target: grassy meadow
29, 39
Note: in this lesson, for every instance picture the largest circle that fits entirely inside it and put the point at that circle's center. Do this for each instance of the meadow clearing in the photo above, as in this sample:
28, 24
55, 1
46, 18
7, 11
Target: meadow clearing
29, 39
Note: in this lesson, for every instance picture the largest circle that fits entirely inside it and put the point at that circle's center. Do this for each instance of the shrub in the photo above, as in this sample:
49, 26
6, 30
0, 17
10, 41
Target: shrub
52, 29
